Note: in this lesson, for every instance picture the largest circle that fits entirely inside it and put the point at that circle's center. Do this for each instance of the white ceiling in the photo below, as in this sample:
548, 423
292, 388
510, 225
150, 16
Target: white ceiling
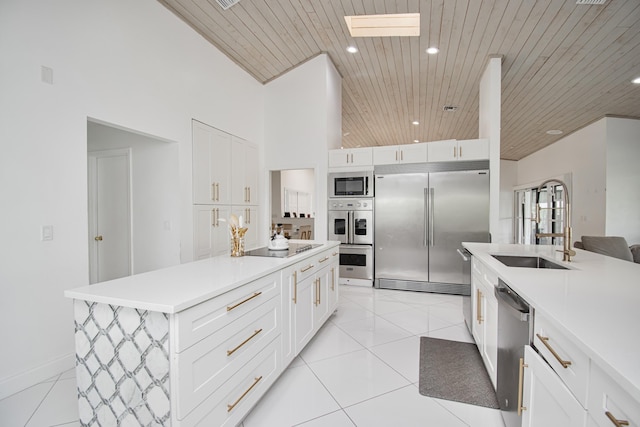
564, 65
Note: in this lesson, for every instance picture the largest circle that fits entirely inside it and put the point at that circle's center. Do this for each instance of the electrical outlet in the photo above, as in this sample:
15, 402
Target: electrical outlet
46, 74
46, 233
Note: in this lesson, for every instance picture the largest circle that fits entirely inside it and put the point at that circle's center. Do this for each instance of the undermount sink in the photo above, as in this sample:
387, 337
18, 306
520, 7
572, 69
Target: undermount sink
528, 262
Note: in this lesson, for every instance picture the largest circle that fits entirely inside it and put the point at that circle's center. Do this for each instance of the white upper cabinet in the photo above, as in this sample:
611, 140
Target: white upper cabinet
244, 158
394, 154
351, 157
454, 150
211, 165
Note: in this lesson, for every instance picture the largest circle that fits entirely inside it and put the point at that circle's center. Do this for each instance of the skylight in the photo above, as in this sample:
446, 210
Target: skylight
399, 24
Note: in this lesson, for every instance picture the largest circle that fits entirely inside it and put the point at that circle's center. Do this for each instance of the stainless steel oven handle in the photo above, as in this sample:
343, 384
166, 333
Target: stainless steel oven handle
466, 256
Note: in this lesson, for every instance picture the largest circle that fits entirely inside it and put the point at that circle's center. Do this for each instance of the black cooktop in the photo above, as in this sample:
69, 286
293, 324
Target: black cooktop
294, 249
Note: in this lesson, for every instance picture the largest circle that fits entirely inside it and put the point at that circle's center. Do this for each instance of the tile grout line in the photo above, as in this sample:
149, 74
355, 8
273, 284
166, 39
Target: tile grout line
53, 383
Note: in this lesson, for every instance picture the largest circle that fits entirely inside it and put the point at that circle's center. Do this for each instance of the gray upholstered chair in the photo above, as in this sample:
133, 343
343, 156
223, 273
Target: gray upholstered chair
613, 246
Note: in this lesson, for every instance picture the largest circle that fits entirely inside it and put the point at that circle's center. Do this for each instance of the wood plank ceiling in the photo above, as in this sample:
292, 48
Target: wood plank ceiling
564, 65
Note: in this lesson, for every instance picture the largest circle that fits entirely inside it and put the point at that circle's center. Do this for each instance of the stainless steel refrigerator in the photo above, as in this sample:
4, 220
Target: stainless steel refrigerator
422, 217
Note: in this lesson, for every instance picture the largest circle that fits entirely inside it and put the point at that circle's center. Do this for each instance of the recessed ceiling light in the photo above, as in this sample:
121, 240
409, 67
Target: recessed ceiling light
554, 132
415, 122
636, 80
416, 140
352, 49
399, 24
432, 50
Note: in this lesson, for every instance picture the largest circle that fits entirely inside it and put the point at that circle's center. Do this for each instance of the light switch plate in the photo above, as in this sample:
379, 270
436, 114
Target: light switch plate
47, 233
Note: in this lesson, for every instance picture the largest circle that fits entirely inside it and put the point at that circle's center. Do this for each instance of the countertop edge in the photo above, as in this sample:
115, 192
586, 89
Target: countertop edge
101, 293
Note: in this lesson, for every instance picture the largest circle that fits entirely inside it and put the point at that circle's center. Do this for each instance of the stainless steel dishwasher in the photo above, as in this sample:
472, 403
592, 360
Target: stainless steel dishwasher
514, 332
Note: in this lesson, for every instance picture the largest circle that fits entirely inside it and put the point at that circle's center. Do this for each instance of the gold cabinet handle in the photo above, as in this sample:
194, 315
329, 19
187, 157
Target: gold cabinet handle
333, 279
616, 422
454, 152
217, 191
229, 308
479, 306
324, 259
249, 198
401, 155
233, 405
396, 155
295, 287
317, 285
565, 363
460, 152
521, 386
307, 268
98, 238
230, 352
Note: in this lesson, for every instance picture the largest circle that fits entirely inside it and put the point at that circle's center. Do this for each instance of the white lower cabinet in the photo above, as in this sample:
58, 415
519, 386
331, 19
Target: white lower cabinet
609, 403
485, 316
310, 295
227, 351
546, 400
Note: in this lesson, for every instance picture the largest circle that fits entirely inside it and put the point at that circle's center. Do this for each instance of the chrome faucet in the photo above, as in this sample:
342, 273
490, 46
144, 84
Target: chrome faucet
566, 223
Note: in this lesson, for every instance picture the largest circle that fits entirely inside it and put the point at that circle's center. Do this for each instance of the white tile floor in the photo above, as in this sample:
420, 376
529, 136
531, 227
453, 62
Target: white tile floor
361, 370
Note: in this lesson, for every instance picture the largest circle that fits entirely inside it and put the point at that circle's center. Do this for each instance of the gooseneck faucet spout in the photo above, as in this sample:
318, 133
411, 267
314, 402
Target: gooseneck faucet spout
566, 223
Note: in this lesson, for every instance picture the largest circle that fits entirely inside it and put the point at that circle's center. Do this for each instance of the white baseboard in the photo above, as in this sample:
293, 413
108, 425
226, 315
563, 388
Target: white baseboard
15, 383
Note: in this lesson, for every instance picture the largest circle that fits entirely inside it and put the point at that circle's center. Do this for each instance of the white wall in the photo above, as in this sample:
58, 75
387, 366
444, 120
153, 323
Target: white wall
302, 122
623, 179
581, 154
489, 127
132, 64
155, 194
508, 180
300, 180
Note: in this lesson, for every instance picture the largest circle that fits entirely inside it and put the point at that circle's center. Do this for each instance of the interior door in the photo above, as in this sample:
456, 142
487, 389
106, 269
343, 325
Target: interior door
110, 215
459, 212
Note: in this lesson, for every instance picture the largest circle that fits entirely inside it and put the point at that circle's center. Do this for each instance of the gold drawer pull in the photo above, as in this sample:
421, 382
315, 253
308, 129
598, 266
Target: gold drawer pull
295, 287
230, 352
309, 267
565, 363
324, 259
233, 405
520, 386
478, 306
615, 421
229, 308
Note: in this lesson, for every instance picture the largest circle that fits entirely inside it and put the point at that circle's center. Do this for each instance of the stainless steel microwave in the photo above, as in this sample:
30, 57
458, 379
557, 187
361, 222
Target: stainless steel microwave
351, 184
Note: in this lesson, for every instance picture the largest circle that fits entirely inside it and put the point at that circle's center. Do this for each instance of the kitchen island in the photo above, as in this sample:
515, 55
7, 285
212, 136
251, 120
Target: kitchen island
592, 309
197, 343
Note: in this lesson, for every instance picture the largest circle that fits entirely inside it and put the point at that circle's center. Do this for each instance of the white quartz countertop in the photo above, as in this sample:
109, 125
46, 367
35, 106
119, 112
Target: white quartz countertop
173, 289
596, 302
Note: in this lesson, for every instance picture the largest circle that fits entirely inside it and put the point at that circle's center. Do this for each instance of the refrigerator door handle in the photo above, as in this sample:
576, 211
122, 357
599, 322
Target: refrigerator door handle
426, 218
432, 203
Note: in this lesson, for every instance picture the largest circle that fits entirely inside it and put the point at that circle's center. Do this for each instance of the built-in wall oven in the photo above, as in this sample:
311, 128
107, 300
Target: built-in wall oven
351, 223
350, 184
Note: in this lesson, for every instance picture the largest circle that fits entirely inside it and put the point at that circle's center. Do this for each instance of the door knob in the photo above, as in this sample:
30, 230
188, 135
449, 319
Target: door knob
98, 238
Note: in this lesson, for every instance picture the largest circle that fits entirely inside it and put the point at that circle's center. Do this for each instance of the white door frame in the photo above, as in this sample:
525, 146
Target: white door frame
92, 158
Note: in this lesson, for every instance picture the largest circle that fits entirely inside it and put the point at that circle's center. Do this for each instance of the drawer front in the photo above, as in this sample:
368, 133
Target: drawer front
607, 399
228, 405
204, 367
576, 373
198, 322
